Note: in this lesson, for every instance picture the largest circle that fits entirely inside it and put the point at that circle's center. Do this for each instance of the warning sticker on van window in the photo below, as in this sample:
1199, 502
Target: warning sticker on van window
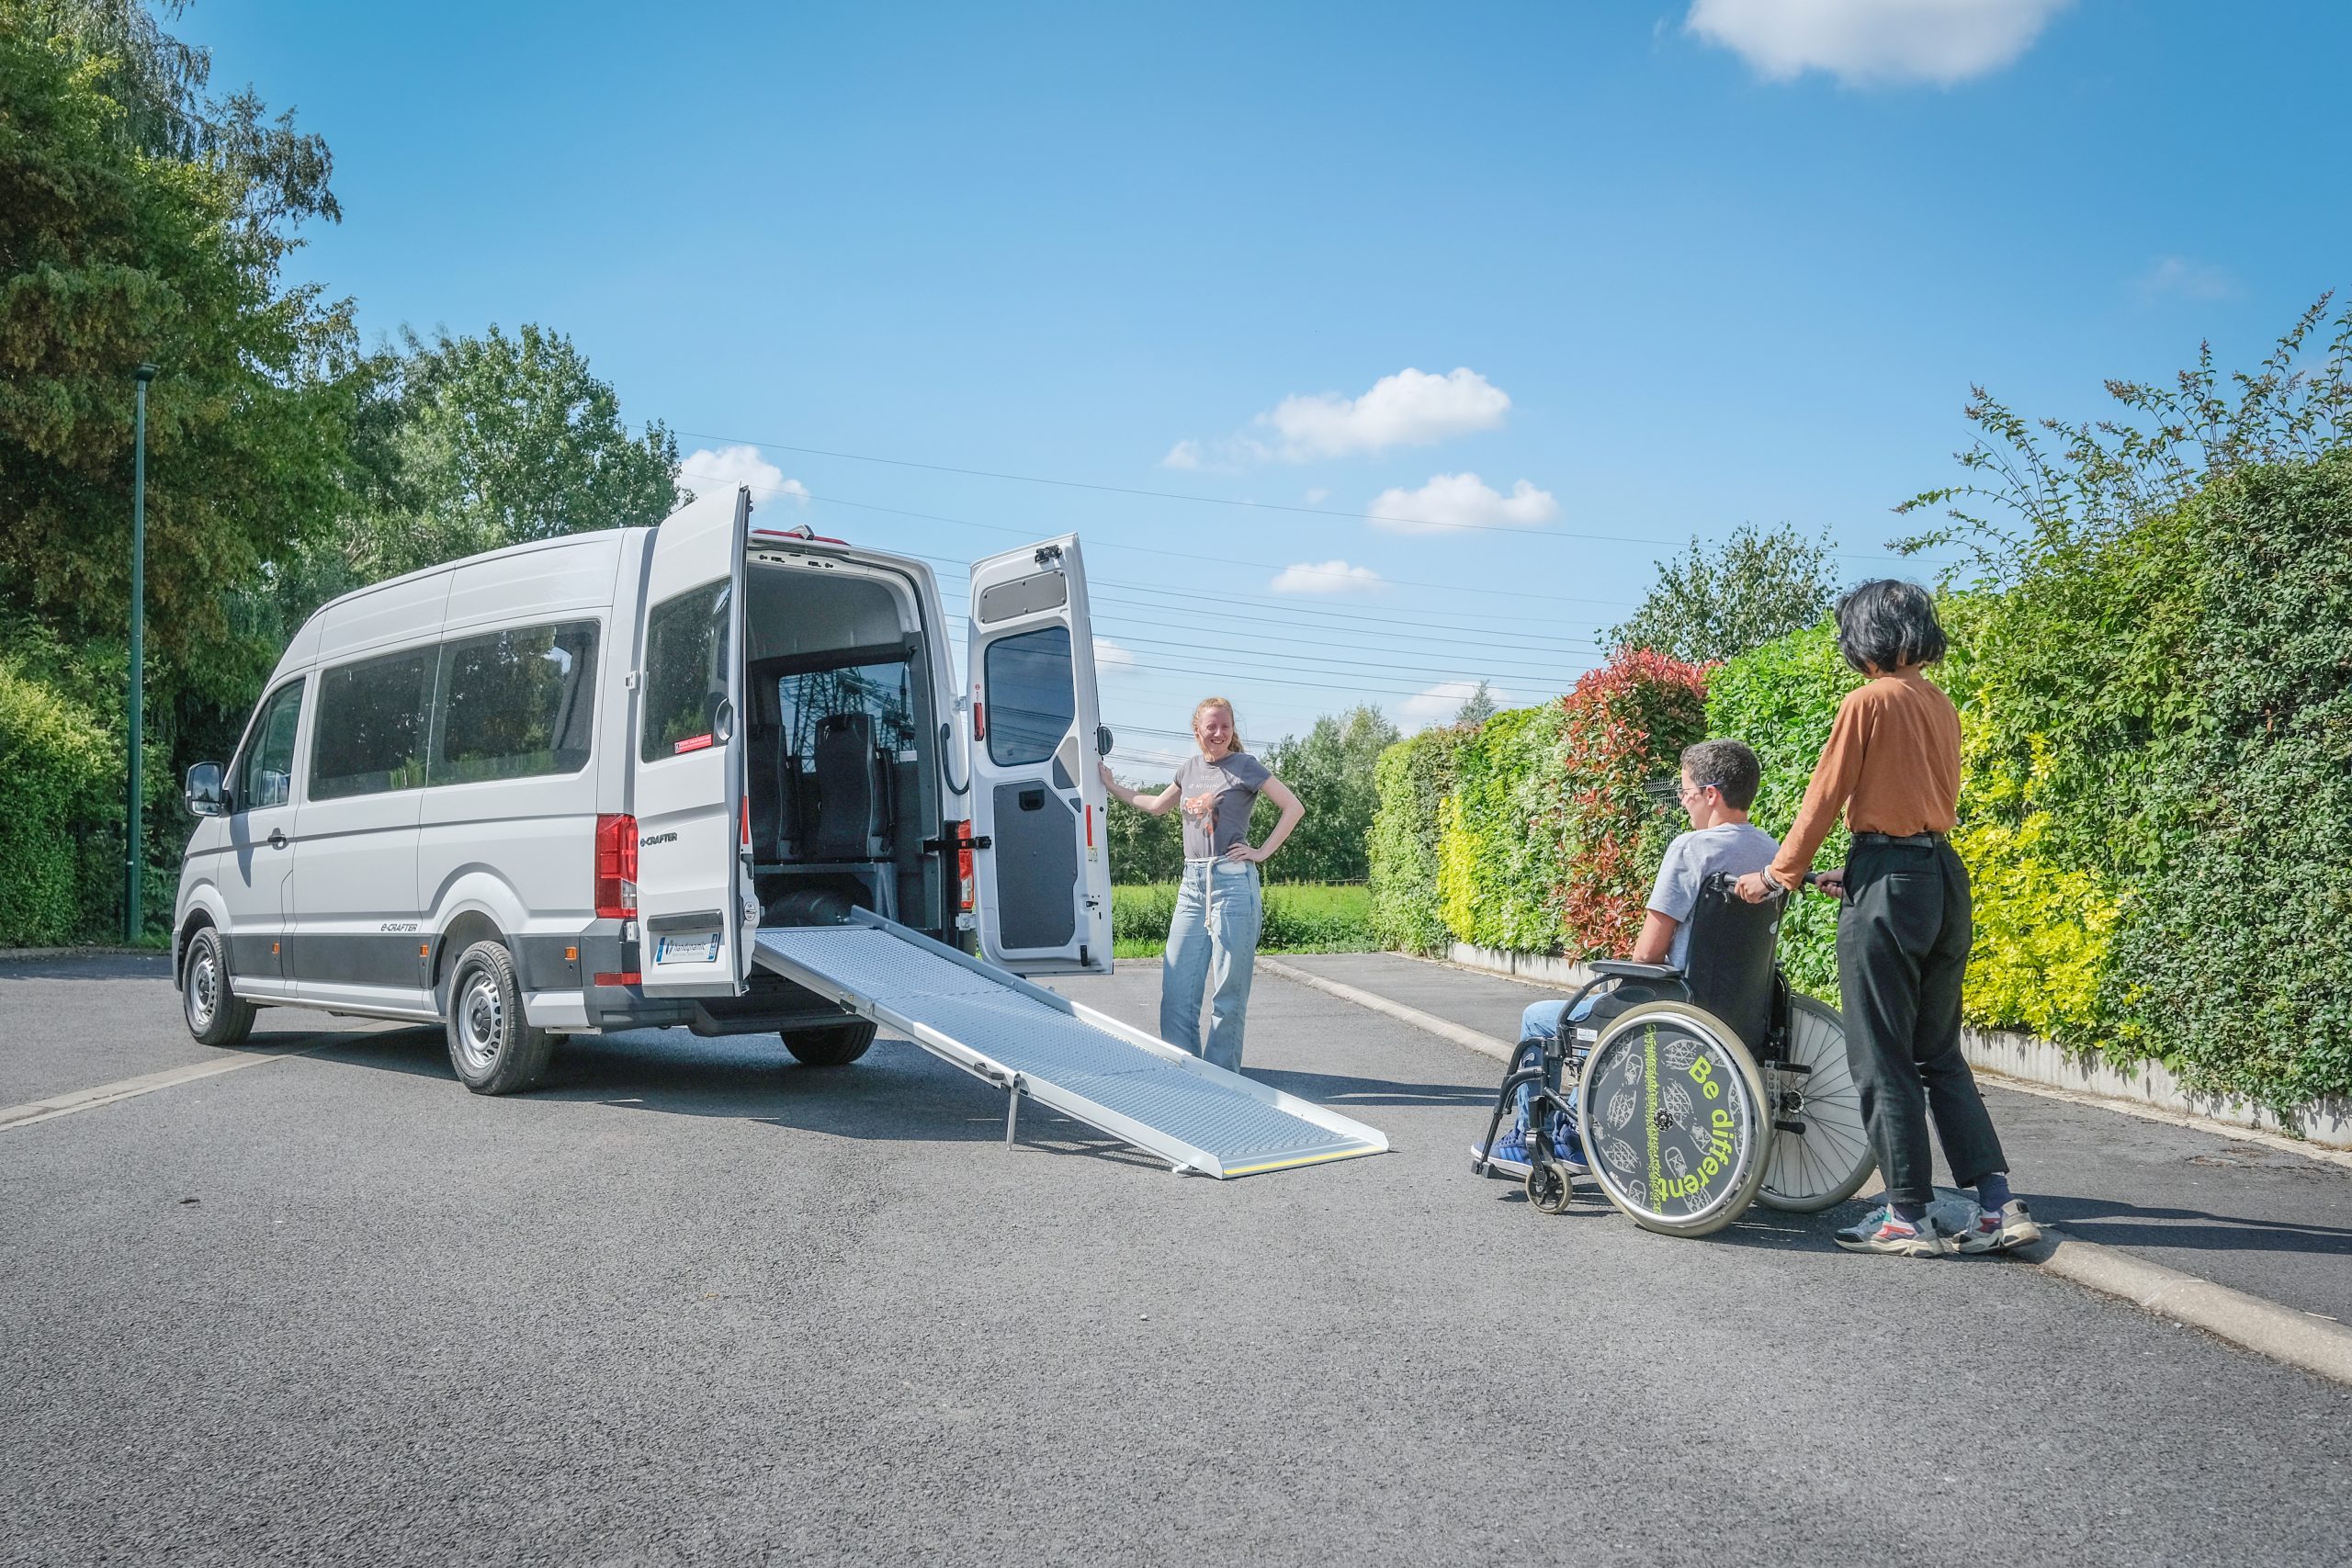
692, 743
701, 948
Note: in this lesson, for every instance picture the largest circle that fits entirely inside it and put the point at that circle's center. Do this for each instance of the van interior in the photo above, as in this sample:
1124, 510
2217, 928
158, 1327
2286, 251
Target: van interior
841, 737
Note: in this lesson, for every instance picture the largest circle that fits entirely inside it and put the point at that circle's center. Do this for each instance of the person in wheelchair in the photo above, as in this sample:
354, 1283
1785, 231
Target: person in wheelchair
1719, 782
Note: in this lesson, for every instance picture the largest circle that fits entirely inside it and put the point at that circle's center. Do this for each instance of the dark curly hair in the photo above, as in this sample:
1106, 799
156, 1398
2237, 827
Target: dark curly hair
1886, 624
1726, 764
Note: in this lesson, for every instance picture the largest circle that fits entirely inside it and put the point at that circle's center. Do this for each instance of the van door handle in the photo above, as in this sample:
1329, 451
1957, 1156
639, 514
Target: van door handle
277, 838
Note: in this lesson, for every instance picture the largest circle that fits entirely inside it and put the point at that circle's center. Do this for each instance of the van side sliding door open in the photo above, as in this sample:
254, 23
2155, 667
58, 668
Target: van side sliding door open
1045, 877
694, 935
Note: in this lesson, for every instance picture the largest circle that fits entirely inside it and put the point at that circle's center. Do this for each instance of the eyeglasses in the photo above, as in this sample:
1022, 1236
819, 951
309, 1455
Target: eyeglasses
1692, 792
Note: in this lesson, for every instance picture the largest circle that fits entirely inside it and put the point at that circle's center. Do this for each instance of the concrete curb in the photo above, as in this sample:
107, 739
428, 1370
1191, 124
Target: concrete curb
2297, 1338
29, 954
1484, 1044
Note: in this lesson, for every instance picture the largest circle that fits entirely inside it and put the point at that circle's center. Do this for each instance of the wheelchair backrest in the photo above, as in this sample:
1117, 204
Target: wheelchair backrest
1728, 966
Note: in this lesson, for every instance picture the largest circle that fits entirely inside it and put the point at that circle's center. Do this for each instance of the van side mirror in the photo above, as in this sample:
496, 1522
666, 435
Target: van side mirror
1101, 739
203, 793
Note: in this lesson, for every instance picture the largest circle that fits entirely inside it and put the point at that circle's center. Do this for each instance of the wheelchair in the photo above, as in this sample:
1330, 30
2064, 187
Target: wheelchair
1700, 1089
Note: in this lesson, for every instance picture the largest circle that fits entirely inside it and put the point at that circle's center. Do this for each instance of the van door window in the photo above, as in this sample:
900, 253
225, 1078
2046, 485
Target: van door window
515, 704
265, 776
1029, 694
371, 726
686, 671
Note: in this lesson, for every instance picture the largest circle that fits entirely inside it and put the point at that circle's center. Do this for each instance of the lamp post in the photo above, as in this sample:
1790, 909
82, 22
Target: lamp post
136, 832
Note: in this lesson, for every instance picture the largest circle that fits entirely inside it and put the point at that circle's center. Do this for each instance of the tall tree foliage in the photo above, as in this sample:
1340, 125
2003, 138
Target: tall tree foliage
1330, 770
1711, 604
475, 443
155, 229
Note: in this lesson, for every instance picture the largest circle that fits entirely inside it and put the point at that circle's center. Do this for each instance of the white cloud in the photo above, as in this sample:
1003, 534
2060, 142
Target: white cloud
1873, 42
1412, 407
1109, 656
1462, 501
1439, 702
2180, 277
709, 473
1330, 577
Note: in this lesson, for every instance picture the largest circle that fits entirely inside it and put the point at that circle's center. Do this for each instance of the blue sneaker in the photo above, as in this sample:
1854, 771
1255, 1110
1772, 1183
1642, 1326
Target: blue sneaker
1508, 1154
1567, 1144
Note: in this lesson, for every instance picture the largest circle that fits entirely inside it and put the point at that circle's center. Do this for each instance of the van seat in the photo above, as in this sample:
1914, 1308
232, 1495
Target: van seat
852, 812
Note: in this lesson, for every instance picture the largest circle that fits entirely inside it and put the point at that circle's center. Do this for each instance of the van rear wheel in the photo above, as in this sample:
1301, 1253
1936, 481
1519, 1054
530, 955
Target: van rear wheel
491, 1045
830, 1046
215, 1013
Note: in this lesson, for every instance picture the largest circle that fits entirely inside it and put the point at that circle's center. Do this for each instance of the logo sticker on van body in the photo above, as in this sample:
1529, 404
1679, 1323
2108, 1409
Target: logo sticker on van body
650, 839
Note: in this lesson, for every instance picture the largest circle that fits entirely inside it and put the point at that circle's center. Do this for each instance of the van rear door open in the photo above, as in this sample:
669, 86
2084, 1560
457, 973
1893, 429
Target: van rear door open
693, 937
1045, 877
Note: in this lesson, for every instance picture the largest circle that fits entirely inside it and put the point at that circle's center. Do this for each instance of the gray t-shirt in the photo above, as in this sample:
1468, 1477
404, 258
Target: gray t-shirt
1734, 849
1215, 798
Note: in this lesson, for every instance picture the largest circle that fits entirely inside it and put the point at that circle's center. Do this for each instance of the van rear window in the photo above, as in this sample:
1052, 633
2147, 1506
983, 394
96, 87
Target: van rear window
370, 723
685, 671
1031, 695
517, 704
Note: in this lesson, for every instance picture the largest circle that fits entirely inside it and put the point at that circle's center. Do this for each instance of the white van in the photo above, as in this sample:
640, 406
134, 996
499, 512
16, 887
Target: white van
555, 789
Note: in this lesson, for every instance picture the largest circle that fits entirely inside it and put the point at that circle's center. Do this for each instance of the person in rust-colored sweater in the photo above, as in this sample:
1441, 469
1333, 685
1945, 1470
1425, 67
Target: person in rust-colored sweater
1904, 926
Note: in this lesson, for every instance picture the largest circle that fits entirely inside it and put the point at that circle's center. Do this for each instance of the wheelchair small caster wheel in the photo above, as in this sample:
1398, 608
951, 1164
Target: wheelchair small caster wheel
1549, 1189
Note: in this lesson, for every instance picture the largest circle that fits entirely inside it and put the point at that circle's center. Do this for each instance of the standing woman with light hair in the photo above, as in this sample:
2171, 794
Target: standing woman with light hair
1213, 936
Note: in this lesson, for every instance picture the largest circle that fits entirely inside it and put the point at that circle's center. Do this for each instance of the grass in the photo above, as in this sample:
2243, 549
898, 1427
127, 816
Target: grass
1301, 917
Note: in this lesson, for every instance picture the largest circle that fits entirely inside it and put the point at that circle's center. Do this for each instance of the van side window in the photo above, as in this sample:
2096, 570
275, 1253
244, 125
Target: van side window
265, 773
1031, 695
685, 671
371, 726
515, 704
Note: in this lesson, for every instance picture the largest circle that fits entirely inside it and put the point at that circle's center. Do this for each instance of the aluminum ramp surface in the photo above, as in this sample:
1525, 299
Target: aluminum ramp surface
1086, 1065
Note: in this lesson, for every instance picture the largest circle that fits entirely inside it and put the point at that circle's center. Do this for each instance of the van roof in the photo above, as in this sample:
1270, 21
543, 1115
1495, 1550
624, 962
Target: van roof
529, 547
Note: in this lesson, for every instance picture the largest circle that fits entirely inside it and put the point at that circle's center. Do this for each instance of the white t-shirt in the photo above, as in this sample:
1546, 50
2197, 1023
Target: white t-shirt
1734, 849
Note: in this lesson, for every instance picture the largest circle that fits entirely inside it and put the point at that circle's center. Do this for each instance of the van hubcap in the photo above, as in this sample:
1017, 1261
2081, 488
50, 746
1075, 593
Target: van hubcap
203, 989
481, 1023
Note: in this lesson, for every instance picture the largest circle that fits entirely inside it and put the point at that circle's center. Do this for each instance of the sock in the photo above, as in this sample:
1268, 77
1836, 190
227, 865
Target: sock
1913, 1213
1993, 1191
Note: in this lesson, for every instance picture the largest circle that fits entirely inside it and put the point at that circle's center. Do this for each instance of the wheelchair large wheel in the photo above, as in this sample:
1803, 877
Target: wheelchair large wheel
1825, 1164
1672, 1111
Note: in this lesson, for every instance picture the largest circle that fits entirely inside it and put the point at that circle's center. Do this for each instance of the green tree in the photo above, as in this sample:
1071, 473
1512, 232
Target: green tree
1711, 604
1477, 708
116, 249
1330, 770
477, 443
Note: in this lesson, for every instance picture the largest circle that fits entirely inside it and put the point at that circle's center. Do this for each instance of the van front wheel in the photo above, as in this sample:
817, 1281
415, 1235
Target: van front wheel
215, 1013
831, 1046
491, 1045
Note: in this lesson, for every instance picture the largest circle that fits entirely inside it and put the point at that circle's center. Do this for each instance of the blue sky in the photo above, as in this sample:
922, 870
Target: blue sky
1659, 267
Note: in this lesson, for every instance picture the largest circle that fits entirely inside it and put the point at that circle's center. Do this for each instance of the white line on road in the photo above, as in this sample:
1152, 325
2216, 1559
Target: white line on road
1444, 1029
130, 1089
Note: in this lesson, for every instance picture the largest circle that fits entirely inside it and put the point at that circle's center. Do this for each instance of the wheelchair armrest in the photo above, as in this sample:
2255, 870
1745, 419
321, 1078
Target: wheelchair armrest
1625, 969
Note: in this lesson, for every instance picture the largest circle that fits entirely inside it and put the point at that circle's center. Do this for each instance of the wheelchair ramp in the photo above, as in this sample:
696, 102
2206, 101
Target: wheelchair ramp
1072, 1059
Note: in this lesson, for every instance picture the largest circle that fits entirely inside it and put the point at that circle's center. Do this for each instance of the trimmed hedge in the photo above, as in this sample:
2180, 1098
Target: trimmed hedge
64, 768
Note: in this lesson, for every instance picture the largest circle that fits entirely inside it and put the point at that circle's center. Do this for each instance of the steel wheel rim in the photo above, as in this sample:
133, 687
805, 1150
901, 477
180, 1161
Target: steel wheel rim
1808, 1166
480, 1020
203, 988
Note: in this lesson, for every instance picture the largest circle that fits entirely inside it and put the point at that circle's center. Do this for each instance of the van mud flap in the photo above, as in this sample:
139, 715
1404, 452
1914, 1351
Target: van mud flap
1085, 1065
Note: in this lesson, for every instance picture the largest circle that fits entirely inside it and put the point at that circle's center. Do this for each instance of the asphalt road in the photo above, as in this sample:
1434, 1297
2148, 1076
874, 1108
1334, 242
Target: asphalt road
2246, 1215
693, 1304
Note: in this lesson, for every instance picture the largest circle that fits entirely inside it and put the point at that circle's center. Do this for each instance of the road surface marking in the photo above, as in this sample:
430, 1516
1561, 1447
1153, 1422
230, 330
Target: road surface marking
130, 1089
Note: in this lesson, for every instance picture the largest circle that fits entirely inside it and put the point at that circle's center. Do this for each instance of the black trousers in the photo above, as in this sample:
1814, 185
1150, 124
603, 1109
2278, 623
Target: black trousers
1903, 938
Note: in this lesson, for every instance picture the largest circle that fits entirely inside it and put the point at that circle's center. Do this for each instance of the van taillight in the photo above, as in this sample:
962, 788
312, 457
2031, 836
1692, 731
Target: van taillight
963, 831
616, 867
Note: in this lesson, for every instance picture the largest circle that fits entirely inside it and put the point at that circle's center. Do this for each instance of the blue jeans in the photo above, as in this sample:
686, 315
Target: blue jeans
1212, 941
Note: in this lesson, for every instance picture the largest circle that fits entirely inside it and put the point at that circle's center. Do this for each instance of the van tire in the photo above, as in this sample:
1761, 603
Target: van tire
492, 1047
216, 1015
830, 1046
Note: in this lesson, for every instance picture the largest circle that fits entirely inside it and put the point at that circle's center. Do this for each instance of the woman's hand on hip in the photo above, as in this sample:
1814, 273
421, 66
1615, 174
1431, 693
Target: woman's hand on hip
1246, 855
